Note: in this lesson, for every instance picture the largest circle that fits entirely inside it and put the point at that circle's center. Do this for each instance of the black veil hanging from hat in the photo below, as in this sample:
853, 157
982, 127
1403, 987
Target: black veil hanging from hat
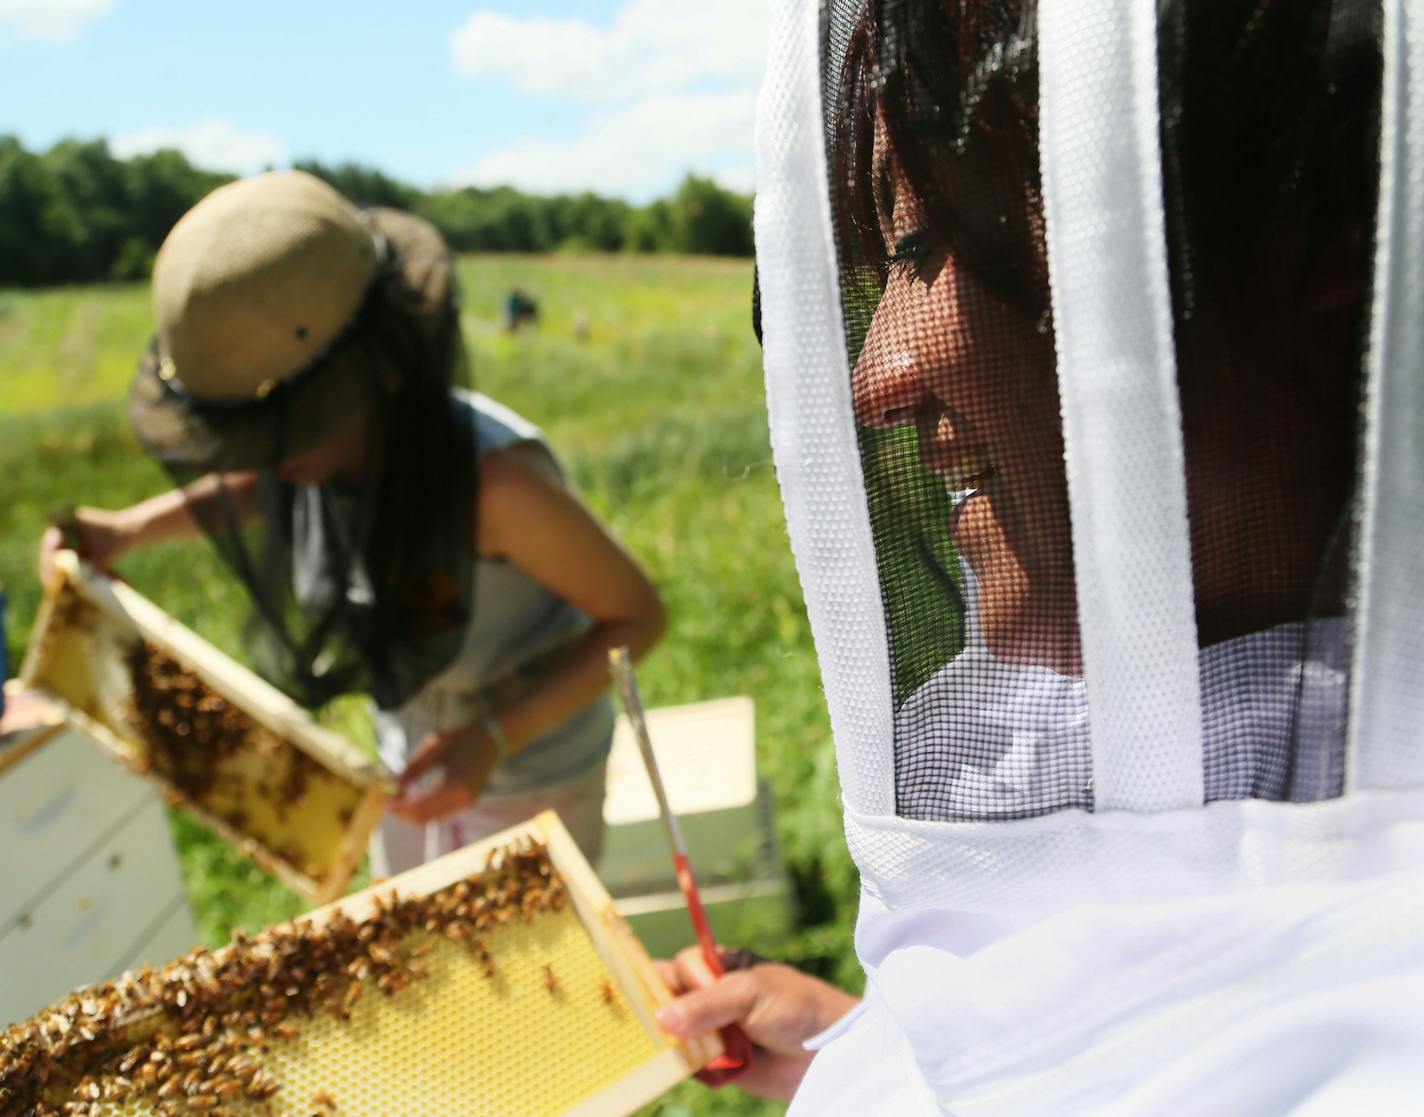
363, 582
1269, 168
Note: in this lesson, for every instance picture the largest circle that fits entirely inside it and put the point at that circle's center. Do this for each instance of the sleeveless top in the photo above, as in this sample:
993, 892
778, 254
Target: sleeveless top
515, 621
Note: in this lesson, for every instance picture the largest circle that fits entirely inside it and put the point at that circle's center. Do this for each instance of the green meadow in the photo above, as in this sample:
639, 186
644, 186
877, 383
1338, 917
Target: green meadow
659, 415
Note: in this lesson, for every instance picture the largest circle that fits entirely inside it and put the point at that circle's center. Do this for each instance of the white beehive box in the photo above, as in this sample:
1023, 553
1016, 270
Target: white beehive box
93, 886
706, 752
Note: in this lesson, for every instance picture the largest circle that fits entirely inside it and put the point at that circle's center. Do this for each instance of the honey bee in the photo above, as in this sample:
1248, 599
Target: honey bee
261, 1086
606, 991
551, 982
381, 955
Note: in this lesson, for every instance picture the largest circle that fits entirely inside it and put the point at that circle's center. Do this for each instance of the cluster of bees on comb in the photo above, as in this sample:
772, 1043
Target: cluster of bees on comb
187, 727
189, 1038
189, 730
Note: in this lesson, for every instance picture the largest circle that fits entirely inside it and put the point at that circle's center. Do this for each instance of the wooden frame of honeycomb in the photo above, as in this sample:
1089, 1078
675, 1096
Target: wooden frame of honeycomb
496, 980
250, 764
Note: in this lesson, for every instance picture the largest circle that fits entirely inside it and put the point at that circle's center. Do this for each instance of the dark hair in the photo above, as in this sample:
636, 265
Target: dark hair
423, 517
956, 88
1269, 131
1270, 136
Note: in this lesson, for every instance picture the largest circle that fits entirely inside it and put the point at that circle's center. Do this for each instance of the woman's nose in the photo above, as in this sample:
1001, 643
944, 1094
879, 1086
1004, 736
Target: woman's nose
886, 385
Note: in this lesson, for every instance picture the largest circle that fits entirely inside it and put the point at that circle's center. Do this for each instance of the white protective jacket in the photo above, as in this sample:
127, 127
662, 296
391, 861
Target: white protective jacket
1146, 837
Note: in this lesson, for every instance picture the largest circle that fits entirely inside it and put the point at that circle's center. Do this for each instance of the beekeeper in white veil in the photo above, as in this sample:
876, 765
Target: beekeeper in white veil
1093, 339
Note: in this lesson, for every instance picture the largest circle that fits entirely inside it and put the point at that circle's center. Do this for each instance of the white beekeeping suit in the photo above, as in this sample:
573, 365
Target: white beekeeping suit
1093, 339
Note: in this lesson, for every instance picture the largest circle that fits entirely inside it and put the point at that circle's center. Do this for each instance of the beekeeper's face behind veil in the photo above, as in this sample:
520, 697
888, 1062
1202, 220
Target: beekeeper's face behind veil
973, 374
945, 259
948, 208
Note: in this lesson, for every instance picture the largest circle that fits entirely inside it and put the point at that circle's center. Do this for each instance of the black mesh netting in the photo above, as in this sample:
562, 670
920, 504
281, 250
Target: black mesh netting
1270, 151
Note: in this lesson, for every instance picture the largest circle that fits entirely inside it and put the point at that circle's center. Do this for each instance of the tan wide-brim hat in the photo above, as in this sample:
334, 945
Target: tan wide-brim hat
259, 293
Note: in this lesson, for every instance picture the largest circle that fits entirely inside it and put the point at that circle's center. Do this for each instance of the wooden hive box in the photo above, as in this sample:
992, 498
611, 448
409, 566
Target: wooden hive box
253, 766
498, 980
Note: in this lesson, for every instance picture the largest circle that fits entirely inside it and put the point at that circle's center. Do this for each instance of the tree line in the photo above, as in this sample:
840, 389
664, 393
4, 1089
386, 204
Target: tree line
76, 214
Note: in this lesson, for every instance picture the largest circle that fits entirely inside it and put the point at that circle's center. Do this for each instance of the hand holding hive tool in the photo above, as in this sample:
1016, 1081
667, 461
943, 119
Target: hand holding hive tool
738, 1054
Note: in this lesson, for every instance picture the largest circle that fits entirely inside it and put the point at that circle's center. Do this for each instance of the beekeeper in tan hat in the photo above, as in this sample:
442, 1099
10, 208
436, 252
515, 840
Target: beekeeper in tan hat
397, 533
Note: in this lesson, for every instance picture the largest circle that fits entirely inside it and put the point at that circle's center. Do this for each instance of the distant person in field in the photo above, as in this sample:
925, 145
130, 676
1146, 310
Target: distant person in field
397, 533
520, 309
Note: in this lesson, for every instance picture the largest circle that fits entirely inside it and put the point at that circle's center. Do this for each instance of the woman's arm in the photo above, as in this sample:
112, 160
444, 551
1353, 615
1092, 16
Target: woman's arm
104, 535
533, 520
529, 517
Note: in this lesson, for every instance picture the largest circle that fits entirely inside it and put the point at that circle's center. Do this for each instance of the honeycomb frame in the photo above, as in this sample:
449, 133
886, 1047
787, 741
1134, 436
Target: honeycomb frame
563, 1027
88, 624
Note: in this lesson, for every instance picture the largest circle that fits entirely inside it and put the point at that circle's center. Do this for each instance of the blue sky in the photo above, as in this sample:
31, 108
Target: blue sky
618, 96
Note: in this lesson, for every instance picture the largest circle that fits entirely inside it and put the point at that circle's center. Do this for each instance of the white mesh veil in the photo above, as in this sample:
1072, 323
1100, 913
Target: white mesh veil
1071, 313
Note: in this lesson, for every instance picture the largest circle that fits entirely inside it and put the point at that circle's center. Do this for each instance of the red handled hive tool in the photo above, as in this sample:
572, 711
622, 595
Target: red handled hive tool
737, 1053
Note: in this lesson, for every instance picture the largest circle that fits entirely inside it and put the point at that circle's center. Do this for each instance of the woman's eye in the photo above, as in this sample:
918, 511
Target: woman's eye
908, 255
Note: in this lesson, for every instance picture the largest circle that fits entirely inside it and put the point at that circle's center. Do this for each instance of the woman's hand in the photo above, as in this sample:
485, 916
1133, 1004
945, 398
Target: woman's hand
463, 759
100, 537
778, 1007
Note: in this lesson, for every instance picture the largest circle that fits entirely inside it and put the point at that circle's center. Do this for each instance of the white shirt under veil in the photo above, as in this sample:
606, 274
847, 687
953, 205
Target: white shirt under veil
1010, 717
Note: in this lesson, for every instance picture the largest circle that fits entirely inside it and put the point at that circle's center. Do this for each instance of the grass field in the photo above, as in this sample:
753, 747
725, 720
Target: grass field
660, 418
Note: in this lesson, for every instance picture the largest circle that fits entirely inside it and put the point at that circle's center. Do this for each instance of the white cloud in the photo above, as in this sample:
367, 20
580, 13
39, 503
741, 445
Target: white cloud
51, 21
215, 144
651, 45
638, 150
682, 73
